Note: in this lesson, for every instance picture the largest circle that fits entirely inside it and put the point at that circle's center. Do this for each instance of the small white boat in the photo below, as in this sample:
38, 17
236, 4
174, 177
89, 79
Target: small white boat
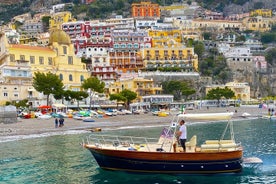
245, 115
44, 116
208, 116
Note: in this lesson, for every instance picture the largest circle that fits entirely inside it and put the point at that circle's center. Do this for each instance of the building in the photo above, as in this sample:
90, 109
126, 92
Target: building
241, 90
258, 23
261, 12
57, 19
125, 61
171, 56
145, 9
142, 87
22, 61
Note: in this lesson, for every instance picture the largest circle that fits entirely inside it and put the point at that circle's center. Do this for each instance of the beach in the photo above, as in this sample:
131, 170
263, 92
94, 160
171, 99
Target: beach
39, 126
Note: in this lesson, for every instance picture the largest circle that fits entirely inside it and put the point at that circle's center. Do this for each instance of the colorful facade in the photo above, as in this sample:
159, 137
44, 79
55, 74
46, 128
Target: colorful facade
142, 87
126, 61
165, 37
23, 61
59, 18
261, 12
258, 23
145, 9
173, 56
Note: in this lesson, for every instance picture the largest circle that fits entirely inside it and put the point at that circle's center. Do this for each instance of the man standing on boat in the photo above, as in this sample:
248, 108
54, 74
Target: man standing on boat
182, 133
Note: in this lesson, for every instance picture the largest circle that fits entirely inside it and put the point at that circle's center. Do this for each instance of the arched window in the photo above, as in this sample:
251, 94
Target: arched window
60, 76
70, 77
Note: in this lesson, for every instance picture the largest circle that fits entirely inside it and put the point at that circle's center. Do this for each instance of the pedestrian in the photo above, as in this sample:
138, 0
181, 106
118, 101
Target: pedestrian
182, 133
61, 122
56, 122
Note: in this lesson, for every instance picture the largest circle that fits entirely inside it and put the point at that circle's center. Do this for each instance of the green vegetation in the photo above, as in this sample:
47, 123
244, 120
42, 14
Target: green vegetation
178, 88
94, 84
270, 56
48, 84
219, 93
125, 96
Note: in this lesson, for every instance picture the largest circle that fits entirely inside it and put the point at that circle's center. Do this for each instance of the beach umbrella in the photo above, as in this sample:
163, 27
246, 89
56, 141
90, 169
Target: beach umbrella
44, 107
60, 116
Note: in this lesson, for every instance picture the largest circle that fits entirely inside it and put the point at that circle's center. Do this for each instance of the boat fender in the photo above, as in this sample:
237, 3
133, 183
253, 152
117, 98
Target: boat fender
159, 149
132, 149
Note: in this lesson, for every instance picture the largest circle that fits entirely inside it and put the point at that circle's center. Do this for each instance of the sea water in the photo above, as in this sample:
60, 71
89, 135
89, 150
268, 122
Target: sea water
61, 159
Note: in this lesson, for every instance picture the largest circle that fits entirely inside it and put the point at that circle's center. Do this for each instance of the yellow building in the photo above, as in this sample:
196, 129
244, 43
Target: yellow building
141, 86
172, 56
164, 37
58, 58
258, 23
241, 90
261, 12
59, 18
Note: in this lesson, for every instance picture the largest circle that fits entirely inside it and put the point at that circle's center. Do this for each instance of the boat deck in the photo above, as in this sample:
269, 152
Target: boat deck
128, 143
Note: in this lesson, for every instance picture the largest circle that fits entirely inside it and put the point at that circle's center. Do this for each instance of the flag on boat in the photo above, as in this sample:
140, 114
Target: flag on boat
167, 133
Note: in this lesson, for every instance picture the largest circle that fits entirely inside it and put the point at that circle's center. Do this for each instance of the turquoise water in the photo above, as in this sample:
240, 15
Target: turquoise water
61, 158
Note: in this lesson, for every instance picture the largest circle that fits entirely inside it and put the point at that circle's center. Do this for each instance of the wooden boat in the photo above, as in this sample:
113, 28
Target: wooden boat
163, 155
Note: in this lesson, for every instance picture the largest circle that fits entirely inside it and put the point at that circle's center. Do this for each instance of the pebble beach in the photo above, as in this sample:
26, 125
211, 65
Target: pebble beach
39, 126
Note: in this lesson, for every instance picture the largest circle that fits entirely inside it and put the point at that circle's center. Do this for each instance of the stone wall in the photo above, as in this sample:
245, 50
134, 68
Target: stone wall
8, 114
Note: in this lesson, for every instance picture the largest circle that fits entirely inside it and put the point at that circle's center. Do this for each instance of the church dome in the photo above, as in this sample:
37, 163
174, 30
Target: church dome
60, 37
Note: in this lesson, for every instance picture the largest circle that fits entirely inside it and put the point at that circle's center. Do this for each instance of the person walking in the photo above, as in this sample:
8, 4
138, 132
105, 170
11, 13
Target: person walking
56, 122
182, 133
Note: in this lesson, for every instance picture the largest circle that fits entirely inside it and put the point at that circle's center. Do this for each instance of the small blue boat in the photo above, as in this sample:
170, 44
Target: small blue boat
88, 120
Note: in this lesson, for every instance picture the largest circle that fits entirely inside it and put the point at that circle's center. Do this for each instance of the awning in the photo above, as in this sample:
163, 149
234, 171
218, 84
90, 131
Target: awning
44, 107
58, 106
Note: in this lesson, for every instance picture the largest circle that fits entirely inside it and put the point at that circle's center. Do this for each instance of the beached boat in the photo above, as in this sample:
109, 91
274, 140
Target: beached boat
163, 155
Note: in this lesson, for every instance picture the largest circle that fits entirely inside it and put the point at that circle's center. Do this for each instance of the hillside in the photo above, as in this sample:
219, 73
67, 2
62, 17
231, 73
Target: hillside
104, 8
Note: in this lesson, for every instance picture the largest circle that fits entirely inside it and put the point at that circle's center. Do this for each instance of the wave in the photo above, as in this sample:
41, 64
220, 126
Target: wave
11, 138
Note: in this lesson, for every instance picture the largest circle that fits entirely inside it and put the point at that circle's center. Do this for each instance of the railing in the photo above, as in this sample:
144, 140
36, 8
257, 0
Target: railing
120, 141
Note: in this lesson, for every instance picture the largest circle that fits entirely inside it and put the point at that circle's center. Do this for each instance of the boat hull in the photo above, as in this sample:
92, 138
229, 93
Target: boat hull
162, 162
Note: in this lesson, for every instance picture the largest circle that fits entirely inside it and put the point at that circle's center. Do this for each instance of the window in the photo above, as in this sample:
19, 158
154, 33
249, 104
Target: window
81, 78
70, 60
22, 57
64, 50
60, 76
41, 60
32, 59
12, 57
70, 77
50, 61
5, 94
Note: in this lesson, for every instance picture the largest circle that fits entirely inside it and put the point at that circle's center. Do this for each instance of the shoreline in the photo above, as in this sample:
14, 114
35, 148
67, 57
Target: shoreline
25, 127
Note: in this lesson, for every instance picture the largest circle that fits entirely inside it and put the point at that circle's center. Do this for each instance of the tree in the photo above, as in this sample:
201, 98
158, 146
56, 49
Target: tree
118, 97
218, 93
178, 89
47, 84
78, 95
199, 49
129, 96
270, 56
95, 85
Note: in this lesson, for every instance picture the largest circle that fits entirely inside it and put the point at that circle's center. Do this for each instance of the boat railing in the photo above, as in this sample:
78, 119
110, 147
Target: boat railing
117, 142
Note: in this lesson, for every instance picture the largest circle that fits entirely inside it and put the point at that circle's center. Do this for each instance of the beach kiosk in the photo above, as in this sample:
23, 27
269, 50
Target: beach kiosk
59, 108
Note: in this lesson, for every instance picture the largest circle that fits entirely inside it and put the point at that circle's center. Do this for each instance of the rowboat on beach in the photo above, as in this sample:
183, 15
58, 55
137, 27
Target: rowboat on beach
163, 155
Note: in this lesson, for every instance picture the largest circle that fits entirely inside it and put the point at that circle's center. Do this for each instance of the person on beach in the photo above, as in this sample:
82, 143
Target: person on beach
56, 122
61, 122
182, 133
